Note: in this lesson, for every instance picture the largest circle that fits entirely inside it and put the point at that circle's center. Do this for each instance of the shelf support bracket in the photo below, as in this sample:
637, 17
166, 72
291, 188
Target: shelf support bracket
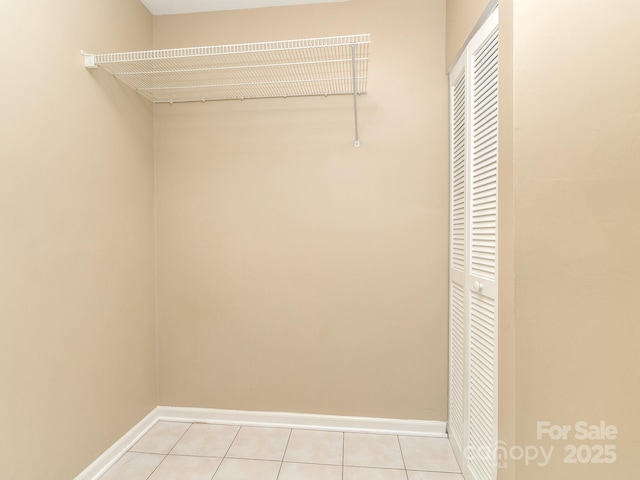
89, 59
355, 91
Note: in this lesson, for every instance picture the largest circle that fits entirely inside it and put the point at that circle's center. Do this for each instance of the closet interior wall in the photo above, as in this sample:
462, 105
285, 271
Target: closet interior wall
296, 272
77, 348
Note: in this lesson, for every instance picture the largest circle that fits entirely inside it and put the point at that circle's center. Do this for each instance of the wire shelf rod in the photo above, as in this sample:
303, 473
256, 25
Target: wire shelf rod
233, 49
248, 84
239, 67
241, 99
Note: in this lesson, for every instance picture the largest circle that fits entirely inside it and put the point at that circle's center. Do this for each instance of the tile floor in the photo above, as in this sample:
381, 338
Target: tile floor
198, 451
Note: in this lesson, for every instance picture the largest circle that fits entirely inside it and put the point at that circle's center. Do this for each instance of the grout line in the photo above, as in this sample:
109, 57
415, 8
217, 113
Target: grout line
320, 464
393, 469
141, 453
193, 455
445, 472
301, 463
286, 447
217, 468
157, 466
227, 451
160, 453
178, 441
294, 463
343, 433
231, 444
285, 452
406, 474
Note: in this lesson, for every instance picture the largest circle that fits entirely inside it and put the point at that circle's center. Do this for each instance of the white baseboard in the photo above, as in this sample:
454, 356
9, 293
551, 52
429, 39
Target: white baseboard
304, 421
389, 426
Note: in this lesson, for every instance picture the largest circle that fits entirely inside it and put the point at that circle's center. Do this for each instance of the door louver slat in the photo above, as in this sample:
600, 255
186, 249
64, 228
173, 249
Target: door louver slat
457, 380
459, 168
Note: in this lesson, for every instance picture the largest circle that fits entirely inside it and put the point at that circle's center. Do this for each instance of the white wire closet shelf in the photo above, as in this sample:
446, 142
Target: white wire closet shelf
279, 69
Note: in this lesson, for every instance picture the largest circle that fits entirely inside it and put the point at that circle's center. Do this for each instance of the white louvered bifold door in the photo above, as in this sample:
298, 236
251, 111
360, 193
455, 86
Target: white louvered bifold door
457, 258
473, 259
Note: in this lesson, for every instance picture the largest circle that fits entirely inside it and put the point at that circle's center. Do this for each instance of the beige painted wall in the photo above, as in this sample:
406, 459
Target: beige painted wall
77, 349
296, 272
577, 204
462, 16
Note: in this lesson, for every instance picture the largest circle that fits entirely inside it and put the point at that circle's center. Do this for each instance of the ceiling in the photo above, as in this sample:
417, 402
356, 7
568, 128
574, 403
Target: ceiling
168, 7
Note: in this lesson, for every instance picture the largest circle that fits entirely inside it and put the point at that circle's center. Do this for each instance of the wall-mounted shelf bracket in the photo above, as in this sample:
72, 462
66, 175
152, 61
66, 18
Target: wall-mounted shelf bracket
281, 69
89, 59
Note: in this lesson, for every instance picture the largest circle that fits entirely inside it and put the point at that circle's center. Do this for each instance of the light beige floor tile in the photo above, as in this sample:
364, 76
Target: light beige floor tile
133, 466
175, 467
307, 471
310, 446
161, 438
361, 473
259, 443
433, 476
238, 469
429, 454
206, 440
367, 450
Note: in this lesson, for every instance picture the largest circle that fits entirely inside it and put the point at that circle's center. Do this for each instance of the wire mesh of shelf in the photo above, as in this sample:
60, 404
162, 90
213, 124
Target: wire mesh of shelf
306, 67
